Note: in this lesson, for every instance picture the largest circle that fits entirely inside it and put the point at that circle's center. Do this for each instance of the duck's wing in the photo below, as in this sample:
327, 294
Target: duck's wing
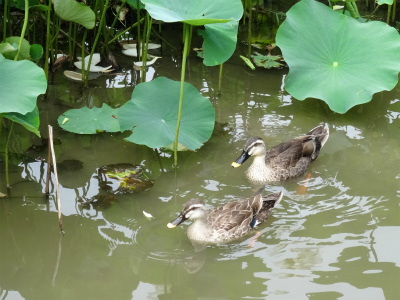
287, 154
236, 215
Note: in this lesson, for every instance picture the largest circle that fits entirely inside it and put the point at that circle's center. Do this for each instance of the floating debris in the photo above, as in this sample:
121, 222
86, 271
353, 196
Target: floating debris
149, 63
148, 216
248, 62
93, 63
73, 75
123, 178
131, 49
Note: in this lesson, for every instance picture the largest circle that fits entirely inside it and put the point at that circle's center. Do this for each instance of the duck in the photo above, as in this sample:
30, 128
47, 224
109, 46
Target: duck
285, 161
227, 222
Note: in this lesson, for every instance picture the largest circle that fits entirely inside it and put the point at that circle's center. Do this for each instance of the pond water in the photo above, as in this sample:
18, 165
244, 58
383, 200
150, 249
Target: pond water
335, 234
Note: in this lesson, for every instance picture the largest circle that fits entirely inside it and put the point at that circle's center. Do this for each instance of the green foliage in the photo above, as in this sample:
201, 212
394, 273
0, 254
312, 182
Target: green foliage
30, 120
36, 51
21, 82
70, 10
267, 61
90, 121
14, 42
152, 115
20, 4
248, 62
336, 58
388, 2
134, 3
221, 25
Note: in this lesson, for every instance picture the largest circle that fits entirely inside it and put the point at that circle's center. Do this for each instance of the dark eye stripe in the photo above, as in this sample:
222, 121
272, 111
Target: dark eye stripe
255, 144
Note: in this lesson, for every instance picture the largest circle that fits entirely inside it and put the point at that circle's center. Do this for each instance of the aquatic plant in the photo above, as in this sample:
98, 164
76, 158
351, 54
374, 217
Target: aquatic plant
336, 58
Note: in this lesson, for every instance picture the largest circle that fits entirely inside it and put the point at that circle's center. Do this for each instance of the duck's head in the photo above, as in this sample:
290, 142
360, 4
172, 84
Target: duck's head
255, 146
193, 209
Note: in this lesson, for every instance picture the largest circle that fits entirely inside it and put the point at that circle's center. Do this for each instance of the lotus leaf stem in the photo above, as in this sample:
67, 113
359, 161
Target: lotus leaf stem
83, 53
46, 59
138, 29
220, 78
23, 28
123, 32
249, 30
102, 18
389, 13
186, 30
375, 10
6, 154
5, 20
394, 10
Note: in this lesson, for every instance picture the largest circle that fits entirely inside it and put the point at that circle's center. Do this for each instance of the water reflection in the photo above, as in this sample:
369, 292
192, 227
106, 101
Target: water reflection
337, 238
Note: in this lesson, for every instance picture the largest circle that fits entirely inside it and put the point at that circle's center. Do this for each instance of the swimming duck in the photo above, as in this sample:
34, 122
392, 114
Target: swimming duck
284, 161
227, 222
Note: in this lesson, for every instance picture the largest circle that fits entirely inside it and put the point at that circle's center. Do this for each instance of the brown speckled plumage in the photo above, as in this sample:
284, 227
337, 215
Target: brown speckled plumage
227, 222
284, 161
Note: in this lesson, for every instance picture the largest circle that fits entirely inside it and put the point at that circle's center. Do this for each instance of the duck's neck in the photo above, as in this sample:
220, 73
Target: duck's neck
200, 230
259, 171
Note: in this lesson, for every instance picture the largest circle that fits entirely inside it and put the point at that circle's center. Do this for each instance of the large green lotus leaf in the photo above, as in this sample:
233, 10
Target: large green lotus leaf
388, 2
152, 114
220, 19
220, 41
90, 121
195, 13
21, 82
30, 120
21, 3
134, 3
70, 10
336, 58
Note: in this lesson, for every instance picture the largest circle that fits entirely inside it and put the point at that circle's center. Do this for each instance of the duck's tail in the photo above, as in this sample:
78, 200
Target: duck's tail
320, 135
269, 202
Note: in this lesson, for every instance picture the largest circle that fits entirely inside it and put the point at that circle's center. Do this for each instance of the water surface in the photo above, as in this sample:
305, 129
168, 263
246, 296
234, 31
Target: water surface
333, 236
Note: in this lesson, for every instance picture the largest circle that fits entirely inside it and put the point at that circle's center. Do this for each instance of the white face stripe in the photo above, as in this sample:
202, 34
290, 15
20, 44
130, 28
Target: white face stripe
256, 143
191, 208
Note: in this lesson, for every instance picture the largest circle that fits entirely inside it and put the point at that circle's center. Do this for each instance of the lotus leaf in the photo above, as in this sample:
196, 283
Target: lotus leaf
388, 2
30, 120
152, 114
220, 19
267, 61
20, 4
21, 82
36, 51
134, 3
90, 121
70, 10
25, 47
7, 50
335, 58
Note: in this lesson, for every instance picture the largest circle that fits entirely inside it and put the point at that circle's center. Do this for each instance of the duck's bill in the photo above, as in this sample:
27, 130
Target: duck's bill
243, 157
176, 222
170, 225
235, 164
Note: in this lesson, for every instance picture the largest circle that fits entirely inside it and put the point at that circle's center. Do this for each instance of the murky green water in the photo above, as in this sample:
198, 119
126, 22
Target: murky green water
333, 236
